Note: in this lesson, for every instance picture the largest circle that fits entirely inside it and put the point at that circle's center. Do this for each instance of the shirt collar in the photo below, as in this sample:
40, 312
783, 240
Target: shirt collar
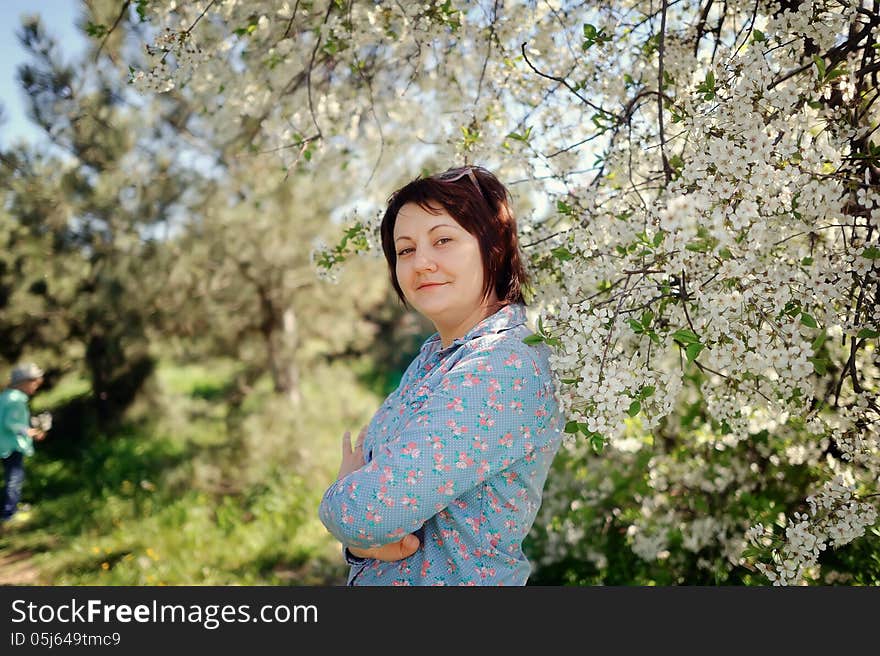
506, 318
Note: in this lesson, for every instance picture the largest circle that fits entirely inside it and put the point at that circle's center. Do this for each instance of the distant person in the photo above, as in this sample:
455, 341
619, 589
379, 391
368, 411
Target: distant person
17, 434
444, 483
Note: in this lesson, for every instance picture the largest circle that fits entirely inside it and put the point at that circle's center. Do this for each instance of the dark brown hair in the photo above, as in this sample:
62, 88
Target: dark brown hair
475, 198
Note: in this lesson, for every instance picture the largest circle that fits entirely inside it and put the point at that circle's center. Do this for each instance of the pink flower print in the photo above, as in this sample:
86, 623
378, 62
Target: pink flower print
458, 503
396, 533
351, 488
513, 360
483, 469
494, 386
485, 572
517, 384
510, 477
506, 440
455, 404
494, 539
373, 516
525, 430
438, 463
447, 488
541, 412
411, 449
464, 460
474, 523
426, 565
479, 443
423, 418
412, 476
450, 566
456, 429
484, 366
387, 476
436, 441
400, 583
486, 421
516, 406
510, 525
535, 366
470, 380
409, 502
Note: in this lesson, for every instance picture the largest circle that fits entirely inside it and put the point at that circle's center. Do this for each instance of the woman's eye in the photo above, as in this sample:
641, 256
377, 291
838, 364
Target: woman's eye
443, 239
404, 251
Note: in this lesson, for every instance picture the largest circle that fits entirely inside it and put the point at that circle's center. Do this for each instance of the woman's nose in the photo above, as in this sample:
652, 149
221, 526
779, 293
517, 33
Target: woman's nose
423, 262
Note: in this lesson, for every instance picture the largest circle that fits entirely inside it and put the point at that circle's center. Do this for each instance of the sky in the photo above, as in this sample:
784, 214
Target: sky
59, 16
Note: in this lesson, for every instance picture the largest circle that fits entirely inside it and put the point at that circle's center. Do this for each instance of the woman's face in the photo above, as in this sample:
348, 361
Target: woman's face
439, 265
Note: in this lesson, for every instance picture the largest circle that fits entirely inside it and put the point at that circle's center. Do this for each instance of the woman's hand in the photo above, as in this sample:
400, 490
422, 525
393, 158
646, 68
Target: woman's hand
352, 459
36, 434
403, 548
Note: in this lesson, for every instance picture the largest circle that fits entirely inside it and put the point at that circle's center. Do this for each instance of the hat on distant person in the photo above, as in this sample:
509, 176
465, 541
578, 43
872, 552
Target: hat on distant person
25, 372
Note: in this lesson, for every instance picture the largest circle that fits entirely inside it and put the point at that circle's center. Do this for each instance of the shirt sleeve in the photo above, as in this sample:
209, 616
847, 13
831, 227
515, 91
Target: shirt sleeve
490, 410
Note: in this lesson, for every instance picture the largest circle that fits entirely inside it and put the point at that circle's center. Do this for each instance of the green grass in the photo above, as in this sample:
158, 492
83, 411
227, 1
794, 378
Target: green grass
192, 490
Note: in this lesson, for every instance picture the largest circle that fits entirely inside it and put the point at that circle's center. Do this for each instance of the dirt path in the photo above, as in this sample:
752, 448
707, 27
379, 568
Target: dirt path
16, 568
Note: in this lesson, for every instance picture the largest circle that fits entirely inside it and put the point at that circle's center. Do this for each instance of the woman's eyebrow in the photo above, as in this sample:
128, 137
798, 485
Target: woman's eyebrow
439, 225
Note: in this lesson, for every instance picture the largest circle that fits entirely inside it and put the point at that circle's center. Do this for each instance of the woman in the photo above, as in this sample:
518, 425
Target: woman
445, 482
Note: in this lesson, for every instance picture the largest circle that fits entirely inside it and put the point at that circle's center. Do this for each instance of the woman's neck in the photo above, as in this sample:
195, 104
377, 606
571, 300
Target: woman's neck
451, 333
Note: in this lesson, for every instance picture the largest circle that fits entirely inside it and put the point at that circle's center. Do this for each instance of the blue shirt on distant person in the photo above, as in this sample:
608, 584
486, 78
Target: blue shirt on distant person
458, 454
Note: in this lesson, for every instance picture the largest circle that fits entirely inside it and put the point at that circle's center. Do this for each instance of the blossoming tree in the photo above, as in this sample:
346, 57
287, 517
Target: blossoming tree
703, 238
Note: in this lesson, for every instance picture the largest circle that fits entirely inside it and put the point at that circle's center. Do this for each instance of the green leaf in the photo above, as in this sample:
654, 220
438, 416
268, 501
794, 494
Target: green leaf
636, 326
807, 320
570, 381
693, 351
563, 208
597, 442
634, 408
871, 253
820, 365
95, 30
141, 8
571, 427
867, 333
807, 261
758, 36
646, 391
820, 64
561, 253
686, 336
817, 343
647, 318
533, 339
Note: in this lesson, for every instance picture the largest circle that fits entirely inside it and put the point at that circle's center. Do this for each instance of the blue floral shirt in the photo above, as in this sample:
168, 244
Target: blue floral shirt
458, 455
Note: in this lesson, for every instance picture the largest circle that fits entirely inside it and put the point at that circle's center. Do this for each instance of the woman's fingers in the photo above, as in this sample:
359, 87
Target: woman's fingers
346, 444
360, 440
